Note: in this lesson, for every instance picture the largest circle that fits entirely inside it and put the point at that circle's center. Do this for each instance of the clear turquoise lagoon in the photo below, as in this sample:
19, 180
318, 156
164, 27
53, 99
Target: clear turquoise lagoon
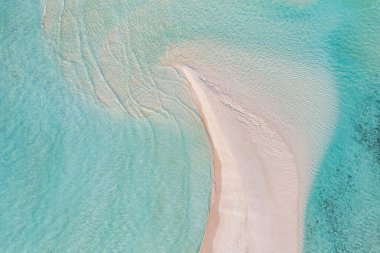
101, 150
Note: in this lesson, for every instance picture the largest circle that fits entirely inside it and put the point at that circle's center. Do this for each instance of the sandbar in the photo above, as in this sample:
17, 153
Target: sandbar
254, 209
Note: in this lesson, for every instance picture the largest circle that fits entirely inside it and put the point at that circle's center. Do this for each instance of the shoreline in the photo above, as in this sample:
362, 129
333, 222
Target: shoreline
213, 216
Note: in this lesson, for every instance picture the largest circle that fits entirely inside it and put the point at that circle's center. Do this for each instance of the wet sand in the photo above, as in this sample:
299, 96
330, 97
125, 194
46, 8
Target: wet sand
269, 119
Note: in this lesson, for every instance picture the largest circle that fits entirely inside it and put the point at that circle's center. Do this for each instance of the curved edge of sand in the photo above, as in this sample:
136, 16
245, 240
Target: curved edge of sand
264, 216
213, 215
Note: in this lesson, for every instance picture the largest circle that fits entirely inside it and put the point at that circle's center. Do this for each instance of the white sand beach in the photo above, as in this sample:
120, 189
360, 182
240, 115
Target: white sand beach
262, 169
256, 203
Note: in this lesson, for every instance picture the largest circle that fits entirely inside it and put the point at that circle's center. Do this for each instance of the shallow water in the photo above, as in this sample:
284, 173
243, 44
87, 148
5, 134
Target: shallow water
344, 207
79, 177
102, 148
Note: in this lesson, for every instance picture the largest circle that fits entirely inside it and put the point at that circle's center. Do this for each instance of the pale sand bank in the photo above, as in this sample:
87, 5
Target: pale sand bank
270, 118
255, 206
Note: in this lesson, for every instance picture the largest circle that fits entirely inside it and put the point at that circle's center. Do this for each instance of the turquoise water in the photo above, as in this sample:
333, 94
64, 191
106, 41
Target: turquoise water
78, 177
101, 149
343, 214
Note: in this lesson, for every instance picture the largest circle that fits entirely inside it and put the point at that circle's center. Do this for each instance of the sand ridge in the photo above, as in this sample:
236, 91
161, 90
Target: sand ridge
270, 118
